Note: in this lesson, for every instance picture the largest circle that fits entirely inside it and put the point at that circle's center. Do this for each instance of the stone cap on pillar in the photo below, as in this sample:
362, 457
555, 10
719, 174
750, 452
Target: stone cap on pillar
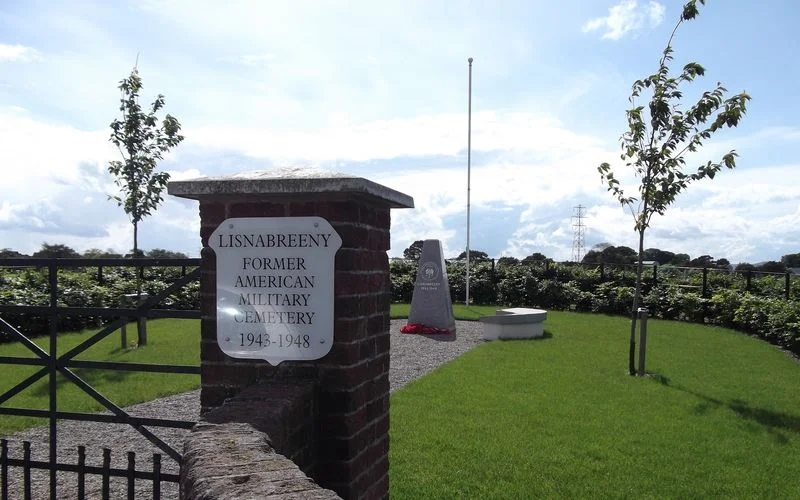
289, 183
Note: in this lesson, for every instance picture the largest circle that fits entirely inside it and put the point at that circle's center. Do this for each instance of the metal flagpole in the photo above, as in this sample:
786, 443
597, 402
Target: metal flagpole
469, 161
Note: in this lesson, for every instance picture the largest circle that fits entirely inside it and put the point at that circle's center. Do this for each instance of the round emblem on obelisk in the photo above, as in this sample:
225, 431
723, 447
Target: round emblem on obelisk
429, 271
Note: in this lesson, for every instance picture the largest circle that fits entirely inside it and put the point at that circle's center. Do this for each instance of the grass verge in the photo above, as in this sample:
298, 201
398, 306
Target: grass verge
460, 311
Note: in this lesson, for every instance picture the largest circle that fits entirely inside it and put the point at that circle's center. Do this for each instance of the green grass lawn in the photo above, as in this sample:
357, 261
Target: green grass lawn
720, 415
560, 417
170, 341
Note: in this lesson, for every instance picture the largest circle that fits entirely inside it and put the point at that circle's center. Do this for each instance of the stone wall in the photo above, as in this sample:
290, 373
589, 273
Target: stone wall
259, 443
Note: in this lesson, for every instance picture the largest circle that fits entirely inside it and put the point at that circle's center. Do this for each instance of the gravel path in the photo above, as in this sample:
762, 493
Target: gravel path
412, 356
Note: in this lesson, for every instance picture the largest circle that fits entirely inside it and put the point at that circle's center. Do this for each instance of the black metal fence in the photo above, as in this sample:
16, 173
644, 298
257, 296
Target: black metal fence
52, 363
707, 279
81, 470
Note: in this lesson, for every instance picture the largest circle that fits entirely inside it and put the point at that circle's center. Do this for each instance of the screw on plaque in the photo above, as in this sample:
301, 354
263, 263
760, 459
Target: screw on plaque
230, 226
321, 341
316, 224
227, 339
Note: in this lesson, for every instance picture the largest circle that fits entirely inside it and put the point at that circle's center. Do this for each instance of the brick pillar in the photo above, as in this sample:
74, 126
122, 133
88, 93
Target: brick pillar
352, 382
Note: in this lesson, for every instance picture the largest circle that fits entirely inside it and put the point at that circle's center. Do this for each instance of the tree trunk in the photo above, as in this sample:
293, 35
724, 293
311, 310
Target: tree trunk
636, 300
136, 256
141, 323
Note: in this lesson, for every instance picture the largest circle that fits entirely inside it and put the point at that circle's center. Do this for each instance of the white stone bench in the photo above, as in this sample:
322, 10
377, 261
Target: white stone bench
514, 323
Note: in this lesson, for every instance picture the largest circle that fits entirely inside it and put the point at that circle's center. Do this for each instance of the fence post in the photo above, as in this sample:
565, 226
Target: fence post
53, 275
131, 474
788, 284
4, 469
705, 282
642, 340
81, 471
141, 329
655, 274
123, 330
26, 465
749, 275
106, 473
156, 476
705, 294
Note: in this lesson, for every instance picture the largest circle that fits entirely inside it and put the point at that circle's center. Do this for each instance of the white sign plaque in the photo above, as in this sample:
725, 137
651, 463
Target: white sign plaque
275, 287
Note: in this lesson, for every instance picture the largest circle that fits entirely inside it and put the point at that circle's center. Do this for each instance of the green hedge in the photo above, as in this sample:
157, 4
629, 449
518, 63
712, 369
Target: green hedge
85, 287
762, 311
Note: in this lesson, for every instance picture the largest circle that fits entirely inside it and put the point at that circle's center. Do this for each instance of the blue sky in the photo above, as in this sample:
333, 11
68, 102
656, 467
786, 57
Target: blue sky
379, 90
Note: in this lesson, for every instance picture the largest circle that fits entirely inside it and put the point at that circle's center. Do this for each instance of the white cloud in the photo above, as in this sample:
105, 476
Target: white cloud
439, 134
655, 13
626, 17
56, 187
254, 59
732, 217
18, 53
528, 172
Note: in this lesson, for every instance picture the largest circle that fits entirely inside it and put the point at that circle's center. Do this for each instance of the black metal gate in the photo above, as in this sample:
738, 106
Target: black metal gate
52, 363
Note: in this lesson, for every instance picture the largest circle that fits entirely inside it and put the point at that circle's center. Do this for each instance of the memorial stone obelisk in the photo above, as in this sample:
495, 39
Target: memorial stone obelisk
431, 304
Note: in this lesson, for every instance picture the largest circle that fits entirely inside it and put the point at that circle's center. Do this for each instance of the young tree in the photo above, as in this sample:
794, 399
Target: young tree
142, 141
657, 138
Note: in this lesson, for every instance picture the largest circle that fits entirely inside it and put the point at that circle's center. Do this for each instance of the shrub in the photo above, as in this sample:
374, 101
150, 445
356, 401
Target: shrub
402, 288
78, 287
402, 275
482, 288
722, 307
612, 299
518, 287
751, 316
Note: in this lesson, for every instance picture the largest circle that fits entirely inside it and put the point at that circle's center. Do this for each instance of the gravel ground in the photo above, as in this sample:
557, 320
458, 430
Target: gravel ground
412, 356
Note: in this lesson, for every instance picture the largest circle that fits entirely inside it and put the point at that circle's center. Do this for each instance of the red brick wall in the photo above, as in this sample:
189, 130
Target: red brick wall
352, 381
